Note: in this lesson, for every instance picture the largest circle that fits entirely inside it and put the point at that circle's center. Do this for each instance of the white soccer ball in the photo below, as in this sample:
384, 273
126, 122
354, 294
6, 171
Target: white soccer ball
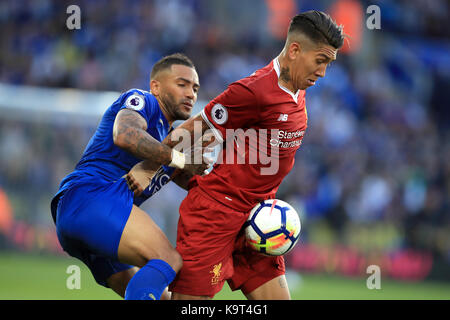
273, 227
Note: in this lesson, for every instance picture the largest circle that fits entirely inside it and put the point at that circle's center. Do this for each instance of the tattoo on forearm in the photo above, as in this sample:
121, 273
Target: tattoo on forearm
130, 130
152, 150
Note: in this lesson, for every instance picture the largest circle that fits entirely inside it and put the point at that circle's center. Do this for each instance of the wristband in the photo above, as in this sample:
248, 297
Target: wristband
178, 159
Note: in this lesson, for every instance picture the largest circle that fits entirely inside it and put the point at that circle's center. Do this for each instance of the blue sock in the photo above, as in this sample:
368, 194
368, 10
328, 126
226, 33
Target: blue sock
150, 281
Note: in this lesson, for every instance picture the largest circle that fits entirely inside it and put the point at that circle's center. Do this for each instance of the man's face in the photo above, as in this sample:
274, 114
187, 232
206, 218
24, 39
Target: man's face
177, 89
311, 64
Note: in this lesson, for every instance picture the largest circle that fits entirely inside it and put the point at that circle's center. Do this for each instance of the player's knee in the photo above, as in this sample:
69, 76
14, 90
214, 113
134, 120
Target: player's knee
173, 258
169, 255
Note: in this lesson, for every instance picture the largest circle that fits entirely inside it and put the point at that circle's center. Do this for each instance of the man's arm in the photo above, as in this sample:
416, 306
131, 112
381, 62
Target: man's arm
205, 138
181, 178
187, 130
142, 173
129, 133
195, 128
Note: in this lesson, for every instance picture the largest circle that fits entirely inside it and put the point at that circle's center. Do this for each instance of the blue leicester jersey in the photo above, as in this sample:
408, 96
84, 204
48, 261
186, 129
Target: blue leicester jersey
102, 159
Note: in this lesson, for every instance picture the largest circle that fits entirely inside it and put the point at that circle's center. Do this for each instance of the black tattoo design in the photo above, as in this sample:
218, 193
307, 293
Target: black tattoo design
284, 74
130, 134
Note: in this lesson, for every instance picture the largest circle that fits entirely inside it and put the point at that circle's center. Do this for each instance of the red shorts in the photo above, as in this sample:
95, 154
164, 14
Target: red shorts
211, 241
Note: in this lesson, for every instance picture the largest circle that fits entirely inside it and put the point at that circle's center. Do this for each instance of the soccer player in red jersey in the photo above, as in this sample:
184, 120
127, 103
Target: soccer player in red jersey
268, 110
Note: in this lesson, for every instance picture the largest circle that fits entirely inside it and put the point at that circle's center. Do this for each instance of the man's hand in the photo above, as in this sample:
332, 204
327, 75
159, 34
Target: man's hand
197, 163
139, 177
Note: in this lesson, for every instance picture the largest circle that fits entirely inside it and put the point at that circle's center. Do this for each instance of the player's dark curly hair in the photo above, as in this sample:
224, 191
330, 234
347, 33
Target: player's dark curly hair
319, 27
167, 61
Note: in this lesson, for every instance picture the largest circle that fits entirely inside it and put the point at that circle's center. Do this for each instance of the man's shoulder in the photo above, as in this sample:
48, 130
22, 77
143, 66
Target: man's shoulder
260, 80
135, 97
135, 91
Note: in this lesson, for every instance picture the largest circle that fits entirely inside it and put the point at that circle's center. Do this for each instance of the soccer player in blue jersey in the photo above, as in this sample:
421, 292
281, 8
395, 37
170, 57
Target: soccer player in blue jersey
96, 214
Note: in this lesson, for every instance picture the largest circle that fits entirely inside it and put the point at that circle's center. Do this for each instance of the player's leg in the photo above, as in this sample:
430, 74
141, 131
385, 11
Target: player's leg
118, 282
142, 240
145, 245
95, 217
275, 289
259, 277
167, 295
205, 238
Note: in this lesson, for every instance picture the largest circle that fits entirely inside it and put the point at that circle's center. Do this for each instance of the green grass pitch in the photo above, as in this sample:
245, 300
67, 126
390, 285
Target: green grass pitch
32, 277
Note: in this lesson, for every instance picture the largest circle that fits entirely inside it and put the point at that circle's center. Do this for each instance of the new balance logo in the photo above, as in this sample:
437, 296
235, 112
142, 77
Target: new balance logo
282, 117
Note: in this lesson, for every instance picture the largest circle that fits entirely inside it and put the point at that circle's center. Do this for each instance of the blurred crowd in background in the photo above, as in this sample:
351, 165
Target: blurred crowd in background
374, 168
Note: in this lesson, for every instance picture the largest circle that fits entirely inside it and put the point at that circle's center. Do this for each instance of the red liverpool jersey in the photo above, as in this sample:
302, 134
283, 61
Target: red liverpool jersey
262, 124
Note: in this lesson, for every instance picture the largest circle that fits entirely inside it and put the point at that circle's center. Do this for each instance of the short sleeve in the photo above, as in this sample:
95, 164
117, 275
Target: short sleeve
237, 107
141, 102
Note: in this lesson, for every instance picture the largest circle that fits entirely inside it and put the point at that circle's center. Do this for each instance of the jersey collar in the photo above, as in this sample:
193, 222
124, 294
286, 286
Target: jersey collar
276, 66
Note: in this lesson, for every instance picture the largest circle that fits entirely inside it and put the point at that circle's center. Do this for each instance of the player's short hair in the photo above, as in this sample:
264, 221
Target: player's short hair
318, 27
167, 62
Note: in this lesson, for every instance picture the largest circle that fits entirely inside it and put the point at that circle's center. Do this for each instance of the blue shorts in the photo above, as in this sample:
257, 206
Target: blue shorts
90, 218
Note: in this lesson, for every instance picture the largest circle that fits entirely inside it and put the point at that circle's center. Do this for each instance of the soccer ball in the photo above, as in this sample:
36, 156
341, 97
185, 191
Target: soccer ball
273, 227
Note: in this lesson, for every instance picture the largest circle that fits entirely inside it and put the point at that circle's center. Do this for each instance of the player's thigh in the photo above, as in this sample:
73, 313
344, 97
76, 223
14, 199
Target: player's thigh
206, 234
142, 240
275, 289
255, 274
